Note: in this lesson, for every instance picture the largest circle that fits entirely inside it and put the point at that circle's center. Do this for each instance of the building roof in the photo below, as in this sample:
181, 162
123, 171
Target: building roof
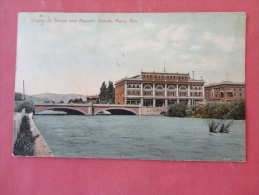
92, 96
225, 83
139, 77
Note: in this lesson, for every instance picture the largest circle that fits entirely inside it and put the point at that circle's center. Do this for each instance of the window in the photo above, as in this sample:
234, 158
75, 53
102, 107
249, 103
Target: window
147, 90
147, 87
133, 102
147, 93
147, 103
183, 91
229, 94
171, 90
159, 90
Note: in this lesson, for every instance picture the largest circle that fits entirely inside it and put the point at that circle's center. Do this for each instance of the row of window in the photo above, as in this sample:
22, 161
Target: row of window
165, 77
162, 93
221, 95
229, 88
160, 87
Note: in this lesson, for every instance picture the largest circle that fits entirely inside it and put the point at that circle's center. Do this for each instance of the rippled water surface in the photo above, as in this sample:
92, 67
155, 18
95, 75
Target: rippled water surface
140, 137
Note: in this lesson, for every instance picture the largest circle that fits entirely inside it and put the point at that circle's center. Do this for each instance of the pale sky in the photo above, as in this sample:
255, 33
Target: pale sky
76, 58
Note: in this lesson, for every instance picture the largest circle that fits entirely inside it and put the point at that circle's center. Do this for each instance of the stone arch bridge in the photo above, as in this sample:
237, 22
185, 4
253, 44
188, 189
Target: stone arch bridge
94, 109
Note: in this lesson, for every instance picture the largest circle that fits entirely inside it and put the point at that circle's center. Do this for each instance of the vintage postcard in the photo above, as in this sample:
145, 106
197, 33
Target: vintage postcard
151, 86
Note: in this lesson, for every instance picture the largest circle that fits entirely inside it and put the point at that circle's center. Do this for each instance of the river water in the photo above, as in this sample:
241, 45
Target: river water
140, 137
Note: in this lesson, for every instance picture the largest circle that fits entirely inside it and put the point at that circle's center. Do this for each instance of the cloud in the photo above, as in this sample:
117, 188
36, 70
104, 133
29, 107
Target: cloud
87, 50
149, 25
227, 44
195, 47
179, 33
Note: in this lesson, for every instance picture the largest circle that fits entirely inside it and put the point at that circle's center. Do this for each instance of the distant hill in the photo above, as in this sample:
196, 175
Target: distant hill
35, 99
56, 97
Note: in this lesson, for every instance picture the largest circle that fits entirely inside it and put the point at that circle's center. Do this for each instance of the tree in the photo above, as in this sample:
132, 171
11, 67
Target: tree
18, 96
80, 101
110, 93
103, 93
178, 110
76, 101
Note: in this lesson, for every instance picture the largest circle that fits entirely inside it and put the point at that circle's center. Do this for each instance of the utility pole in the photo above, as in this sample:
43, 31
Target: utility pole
23, 91
164, 66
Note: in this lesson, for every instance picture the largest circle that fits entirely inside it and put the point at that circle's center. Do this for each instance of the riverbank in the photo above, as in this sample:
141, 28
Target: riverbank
36, 141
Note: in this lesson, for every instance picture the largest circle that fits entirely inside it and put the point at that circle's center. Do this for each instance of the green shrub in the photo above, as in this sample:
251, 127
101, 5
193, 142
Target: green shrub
178, 110
221, 126
228, 110
28, 105
213, 126
237, 110
225, 126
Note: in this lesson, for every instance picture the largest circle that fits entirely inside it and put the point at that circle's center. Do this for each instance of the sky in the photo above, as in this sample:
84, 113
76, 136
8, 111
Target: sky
64, 53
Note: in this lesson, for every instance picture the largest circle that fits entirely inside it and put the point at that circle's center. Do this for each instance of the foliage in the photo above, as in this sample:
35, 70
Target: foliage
178, 110
221, 126
28, 105
25, 142
18, 96
103, 93
224, 126
237, 110
110, 93
228, 110
213, 126
107, 94
76, 101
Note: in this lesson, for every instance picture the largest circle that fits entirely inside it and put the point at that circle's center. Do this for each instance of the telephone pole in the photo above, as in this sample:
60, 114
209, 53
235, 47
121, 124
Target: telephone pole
24, 91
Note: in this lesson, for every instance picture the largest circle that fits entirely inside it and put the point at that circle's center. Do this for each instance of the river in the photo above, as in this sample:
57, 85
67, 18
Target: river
140, 137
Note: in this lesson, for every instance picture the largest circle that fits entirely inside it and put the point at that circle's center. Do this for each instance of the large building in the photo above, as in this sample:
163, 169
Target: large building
225, 91
159, 89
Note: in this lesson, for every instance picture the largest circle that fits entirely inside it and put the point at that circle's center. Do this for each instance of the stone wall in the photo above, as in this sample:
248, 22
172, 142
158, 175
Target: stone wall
152, 110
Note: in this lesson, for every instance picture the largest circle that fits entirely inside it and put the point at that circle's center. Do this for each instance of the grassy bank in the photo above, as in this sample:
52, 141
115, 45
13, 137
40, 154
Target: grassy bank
25, 142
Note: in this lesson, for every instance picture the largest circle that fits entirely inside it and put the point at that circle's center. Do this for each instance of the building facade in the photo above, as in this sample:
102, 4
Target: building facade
94, 99
154, 89
225, 91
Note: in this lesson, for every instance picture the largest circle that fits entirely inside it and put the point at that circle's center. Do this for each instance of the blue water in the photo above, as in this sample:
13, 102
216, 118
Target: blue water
140, 137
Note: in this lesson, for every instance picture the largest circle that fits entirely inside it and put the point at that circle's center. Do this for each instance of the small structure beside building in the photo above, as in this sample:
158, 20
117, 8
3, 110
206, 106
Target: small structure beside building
154, 89
225, 91
94, 99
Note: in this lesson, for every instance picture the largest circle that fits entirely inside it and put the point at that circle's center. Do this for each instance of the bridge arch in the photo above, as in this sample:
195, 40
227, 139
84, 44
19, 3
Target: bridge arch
69, 111
116, 111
